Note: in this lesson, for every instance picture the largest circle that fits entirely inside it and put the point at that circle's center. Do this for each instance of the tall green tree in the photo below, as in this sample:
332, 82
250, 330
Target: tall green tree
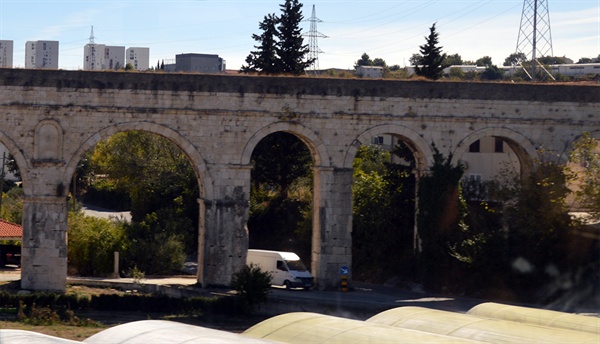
431, 65
383, 194
281, 48
441, 213
264, 60
156, 175
291, 48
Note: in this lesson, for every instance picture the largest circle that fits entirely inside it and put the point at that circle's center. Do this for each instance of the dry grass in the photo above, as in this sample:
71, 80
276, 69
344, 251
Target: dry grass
68, 332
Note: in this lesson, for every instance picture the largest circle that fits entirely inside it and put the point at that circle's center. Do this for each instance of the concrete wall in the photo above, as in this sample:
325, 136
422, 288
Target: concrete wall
49, 119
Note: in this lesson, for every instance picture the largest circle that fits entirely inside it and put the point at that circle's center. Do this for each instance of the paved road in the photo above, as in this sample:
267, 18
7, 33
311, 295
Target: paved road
94, 211
363, 297
363, 301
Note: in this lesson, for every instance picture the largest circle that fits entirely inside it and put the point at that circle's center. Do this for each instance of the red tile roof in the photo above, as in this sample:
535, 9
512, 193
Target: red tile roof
10, 231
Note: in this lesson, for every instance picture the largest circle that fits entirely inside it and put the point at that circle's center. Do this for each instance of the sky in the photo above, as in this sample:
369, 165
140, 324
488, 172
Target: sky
392, 30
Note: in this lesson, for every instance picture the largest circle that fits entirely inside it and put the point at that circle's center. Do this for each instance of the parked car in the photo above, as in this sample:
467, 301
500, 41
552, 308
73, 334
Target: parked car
10, 255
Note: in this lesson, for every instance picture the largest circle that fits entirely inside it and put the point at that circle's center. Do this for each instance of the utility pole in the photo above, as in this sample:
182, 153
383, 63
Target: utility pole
313, 45
535, 38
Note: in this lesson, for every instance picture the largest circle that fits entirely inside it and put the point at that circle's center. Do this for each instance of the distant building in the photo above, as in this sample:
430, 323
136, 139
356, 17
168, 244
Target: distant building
138, 57
169, 65
93, 56
114, 57
41, 54
103, 57
6, 54
199, 63
369, 72
487, 157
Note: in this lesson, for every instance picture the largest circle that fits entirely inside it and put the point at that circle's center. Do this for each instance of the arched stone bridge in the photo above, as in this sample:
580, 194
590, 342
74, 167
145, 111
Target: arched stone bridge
49, 119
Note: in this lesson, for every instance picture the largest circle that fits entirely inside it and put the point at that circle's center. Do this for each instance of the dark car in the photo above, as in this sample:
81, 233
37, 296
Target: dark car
10, 255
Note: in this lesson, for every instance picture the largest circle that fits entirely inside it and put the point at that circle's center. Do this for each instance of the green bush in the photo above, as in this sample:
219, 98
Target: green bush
153, 236
92, 243
253, 285
49, 308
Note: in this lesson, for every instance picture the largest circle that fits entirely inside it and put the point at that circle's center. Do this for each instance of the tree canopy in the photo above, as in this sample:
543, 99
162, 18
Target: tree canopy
515, 59
291, 48
485, 61
264, 59
431, 64
453, 60
281, 48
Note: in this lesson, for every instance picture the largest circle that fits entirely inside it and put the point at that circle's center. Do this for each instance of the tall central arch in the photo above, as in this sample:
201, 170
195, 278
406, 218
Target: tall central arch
332, 210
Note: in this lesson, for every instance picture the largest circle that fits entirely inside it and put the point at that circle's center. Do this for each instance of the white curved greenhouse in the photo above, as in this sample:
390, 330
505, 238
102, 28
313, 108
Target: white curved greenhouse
478, 328
537, 317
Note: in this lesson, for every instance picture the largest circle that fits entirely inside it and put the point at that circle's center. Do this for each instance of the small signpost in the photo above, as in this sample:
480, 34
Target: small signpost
344, 271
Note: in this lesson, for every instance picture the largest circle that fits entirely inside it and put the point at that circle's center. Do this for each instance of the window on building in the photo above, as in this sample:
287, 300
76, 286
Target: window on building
377, 140
498, 145
474, 177
475, 147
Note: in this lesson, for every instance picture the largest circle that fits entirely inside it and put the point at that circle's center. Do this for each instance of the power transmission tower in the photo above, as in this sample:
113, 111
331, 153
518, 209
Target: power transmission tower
535, 39
313, 45
92, 51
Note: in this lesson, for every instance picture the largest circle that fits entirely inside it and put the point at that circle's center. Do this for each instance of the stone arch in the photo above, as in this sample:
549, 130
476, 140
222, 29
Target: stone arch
565, 154
204, 180
48, 141
21, 161
420, 148
521, 145
309, 137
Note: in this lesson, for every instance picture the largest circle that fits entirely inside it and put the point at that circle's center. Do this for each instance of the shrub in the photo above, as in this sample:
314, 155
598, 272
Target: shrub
150, 235
253, 286
92, 243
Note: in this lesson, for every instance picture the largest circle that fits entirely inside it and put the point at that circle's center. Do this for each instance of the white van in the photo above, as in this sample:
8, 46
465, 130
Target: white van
286, 268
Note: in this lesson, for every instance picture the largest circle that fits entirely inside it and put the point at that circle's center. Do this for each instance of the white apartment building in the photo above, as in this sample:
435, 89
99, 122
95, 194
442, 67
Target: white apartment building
41, 54
103, 57
93, 56
114, 57
6, 54
138, 57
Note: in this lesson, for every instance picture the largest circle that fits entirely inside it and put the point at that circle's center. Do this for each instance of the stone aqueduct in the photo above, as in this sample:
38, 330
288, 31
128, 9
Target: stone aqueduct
49, 119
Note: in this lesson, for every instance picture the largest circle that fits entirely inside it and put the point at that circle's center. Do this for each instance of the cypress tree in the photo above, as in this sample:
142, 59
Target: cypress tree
431, 64
264, 59
291, 48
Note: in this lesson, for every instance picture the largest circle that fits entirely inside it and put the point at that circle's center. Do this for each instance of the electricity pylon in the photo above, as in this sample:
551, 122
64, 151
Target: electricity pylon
92, 50
313, 45
535, 38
